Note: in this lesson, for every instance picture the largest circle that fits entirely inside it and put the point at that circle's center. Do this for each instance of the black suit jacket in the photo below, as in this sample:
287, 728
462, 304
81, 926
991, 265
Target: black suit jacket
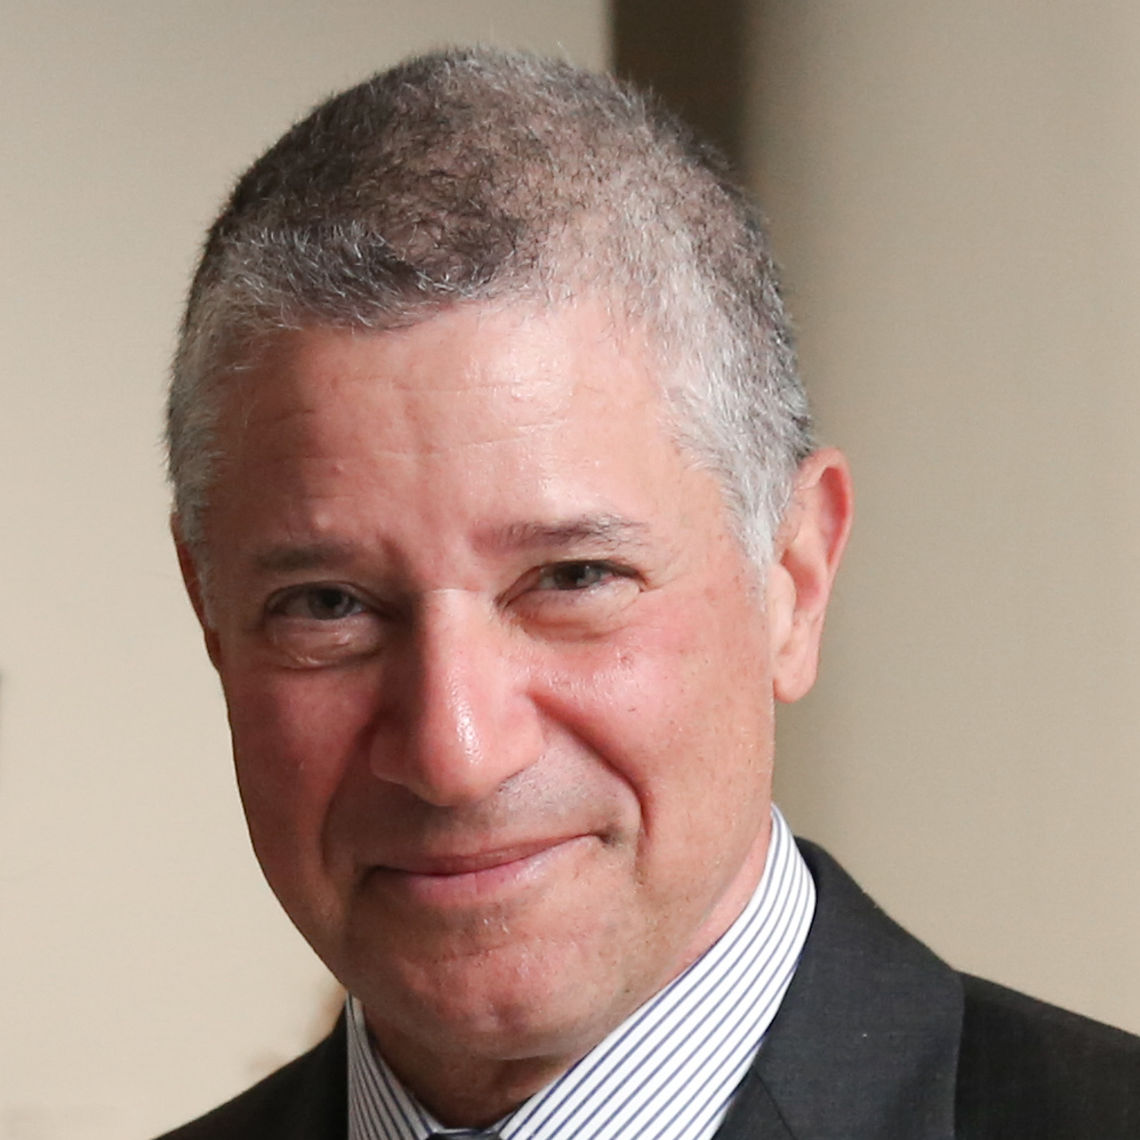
876, 1039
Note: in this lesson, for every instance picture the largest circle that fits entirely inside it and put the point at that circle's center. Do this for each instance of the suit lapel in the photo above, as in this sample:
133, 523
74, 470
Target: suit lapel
754, 1115
865, 1045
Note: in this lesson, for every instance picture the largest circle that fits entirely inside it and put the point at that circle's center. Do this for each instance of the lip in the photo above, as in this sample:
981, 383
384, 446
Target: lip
443, 880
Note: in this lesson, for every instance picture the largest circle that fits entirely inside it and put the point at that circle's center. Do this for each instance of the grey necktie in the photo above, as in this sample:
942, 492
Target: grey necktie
465, 1134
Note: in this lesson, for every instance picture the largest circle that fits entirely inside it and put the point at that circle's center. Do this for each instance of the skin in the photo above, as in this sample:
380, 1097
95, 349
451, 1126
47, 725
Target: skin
500, 679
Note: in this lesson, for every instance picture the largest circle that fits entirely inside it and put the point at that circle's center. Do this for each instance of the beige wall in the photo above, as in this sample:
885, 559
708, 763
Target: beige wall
145, 972
954, 192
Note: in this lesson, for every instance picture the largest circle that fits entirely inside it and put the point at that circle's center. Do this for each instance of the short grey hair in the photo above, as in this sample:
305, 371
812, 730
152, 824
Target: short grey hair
476, 176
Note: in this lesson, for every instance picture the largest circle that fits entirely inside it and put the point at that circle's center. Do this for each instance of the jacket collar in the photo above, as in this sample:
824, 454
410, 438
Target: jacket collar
865, 1046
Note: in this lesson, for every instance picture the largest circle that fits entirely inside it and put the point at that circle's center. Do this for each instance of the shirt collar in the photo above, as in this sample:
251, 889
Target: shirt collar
670, 1070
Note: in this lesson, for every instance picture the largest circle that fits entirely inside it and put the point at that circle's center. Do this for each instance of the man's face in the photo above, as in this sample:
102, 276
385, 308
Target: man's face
499, 675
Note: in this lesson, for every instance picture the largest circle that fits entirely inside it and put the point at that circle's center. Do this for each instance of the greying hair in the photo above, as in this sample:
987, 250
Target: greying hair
476, 175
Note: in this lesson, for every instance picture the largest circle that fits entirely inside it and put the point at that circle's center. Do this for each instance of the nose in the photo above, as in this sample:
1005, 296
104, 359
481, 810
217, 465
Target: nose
463, 722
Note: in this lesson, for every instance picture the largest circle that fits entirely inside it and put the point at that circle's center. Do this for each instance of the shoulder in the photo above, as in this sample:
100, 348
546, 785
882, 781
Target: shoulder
1030, 1069
305, 1100
992, 1064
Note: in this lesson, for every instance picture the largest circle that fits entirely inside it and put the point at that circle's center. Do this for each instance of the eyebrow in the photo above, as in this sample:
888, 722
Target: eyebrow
603, 529
606, 529
286, 558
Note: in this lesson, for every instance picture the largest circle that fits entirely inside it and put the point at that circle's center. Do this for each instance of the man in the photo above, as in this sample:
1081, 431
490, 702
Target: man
497, 501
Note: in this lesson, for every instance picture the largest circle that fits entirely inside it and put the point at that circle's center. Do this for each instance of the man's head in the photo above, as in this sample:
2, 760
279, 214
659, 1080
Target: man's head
466, 356
478, 176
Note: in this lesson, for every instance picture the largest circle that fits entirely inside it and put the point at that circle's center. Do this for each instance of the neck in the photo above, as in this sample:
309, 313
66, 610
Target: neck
462, 1091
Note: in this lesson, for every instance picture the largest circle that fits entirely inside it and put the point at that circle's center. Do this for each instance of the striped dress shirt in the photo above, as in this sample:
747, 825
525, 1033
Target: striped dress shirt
670, 1070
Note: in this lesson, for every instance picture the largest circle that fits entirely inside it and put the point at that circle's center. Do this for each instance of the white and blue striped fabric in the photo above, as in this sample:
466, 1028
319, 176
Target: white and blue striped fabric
670, 1070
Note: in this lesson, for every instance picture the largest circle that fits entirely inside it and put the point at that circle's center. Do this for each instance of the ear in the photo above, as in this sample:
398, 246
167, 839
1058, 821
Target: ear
192, 579
808, 550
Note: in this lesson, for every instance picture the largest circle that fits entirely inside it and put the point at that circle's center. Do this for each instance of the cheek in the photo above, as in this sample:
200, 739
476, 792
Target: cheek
294, 737
677, 707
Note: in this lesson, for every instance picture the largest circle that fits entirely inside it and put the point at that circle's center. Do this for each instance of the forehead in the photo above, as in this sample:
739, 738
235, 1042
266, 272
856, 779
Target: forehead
490, 415
474, 364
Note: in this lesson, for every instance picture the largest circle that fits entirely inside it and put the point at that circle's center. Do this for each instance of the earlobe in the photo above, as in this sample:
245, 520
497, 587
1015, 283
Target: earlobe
808, 553
192, 579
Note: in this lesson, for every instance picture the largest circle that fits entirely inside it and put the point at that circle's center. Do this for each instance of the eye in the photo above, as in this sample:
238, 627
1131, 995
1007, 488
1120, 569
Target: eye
322, 624
317, 603
582, 598
574, 575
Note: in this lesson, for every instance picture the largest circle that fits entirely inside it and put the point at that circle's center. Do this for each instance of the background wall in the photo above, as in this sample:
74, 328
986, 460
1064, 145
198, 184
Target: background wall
145, 971
953, 190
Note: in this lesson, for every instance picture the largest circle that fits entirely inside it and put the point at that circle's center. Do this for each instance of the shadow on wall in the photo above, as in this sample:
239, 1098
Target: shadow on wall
694, 56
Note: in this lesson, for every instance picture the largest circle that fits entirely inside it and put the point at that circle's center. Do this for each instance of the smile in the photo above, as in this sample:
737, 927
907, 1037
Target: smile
442, 881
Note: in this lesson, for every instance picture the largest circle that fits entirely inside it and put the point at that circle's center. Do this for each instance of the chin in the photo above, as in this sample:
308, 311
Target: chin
512, 1002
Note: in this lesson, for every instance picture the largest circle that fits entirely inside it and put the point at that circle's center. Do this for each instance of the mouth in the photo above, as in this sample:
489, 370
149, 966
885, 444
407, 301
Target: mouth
440, 881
